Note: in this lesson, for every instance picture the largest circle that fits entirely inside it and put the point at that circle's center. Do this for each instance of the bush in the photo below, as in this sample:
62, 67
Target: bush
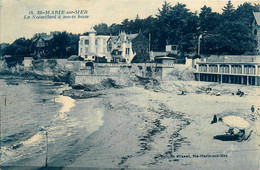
13, 61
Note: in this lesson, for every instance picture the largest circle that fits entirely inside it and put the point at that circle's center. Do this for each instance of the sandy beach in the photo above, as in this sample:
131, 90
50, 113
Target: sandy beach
144, 129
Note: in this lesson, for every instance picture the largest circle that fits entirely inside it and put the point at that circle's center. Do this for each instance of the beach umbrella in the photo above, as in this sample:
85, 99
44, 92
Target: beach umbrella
236, 121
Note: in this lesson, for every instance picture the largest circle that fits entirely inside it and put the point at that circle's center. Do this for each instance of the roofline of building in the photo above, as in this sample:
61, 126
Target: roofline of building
229, 63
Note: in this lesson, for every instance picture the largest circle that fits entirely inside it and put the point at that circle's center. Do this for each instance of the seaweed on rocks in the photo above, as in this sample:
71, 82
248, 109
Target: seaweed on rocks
104, 84
75, 94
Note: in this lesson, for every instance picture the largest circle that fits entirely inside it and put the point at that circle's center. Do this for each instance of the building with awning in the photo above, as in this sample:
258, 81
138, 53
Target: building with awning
233, 69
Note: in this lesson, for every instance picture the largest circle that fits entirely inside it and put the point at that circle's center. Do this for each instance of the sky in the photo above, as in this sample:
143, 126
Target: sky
13, 24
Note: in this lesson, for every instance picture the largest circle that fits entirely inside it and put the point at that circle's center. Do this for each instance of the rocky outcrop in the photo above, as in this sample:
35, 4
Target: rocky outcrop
80, 94
40, 70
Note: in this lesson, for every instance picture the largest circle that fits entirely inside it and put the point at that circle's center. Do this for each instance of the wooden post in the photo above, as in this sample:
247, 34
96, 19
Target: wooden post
172, 147
46, 160
54, 97
5, 97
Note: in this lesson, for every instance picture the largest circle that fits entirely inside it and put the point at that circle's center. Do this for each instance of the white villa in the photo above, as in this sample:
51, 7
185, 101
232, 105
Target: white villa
92, 45
121, 48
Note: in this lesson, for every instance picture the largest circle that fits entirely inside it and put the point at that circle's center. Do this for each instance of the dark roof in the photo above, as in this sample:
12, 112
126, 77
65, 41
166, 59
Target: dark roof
165, 58
131, 36
159, 53
113, 38
257, 17
92, 30
43, 36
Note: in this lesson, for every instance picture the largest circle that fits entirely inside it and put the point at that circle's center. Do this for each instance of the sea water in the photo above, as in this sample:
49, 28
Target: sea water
37, 122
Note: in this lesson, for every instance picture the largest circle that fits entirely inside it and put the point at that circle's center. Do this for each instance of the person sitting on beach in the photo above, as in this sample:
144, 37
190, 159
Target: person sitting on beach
230, 131
241, 134
183, 93
238, 91
214, 119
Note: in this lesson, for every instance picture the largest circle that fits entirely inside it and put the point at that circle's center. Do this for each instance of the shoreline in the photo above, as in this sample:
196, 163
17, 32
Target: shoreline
149, 129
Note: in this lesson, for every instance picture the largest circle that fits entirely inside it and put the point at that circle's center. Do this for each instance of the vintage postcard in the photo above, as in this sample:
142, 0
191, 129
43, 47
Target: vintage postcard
130, 84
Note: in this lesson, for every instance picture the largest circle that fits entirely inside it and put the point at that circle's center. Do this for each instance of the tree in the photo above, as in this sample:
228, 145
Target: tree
228, 12
208, 20
125, 25
163, 25
232, 38
59, 46
102, 29
20, 47
74, 39
244, 13
183, 27
114, 29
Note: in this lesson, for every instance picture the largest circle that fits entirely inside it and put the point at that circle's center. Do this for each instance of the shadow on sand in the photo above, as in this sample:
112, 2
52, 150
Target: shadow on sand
236, 137
227, 137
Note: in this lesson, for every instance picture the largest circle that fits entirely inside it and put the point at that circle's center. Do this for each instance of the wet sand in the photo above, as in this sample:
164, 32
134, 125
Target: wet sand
164, 130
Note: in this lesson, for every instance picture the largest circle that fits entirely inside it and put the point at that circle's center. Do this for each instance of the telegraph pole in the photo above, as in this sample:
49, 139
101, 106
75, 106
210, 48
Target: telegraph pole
199, 44
149, 42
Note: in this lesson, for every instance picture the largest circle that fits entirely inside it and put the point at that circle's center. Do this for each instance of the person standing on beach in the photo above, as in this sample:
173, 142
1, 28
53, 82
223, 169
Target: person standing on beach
252, 109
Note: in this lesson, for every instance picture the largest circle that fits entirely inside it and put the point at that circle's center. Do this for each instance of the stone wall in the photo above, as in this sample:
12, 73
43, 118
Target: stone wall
125, 74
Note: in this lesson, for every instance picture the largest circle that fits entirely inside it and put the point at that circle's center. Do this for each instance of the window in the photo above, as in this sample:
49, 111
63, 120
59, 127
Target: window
127, 51
86, 42
96, 42
118, 45
109, 47
81, 42
86, 50
80, 50
255, 32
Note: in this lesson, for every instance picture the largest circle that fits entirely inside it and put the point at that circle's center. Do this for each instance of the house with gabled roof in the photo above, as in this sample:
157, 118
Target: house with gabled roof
256, 29
128, 47
121, 48
40, 41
